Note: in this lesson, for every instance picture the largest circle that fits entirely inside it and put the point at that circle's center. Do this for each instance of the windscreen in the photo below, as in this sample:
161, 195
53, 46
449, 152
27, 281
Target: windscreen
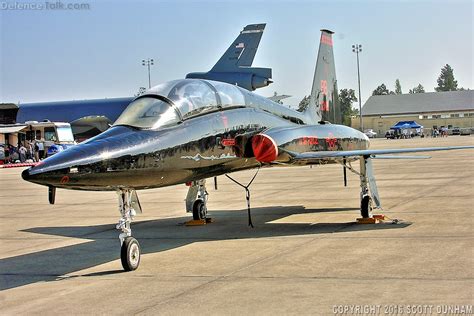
148, 113
65, 134
193, 97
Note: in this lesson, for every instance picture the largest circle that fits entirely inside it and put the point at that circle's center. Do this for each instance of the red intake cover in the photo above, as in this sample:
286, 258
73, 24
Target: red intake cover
264, 148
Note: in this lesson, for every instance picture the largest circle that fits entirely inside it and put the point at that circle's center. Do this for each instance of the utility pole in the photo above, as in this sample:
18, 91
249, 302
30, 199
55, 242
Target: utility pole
357, 49
148, 62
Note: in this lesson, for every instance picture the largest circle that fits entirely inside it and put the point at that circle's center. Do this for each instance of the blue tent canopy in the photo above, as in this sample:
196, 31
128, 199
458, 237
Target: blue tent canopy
406, 125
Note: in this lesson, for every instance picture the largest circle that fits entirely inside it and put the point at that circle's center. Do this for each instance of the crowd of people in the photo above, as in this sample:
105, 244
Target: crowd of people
442, 132
25, 152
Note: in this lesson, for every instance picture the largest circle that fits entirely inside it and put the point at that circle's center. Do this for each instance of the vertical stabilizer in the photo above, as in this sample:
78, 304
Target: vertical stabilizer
242, 51
234, 66
324, 101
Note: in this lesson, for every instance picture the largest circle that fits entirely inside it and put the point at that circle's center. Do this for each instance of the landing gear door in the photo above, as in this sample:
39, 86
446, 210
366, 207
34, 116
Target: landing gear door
372, 184
135, 203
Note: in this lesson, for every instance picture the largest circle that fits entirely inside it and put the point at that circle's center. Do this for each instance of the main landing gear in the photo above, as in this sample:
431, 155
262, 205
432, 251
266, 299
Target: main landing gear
369, 196
196, 200
130, 248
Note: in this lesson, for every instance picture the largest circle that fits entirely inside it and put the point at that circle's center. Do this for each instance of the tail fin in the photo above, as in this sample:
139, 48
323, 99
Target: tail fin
242, 51
234, 66
324, 100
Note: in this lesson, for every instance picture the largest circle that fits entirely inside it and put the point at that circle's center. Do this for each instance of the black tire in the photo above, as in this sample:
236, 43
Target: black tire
365, 206
199, 210
130, 254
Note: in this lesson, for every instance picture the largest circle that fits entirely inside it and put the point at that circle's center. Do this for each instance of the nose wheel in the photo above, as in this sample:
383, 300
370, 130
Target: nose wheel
130, 249
196, 200
130, 254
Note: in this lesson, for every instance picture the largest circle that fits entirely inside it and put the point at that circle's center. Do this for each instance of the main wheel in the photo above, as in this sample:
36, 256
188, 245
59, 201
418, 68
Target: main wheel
365, 206
199, 210
130, 254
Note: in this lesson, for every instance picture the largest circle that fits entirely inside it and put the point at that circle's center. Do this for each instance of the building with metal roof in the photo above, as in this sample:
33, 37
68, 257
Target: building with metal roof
431, 110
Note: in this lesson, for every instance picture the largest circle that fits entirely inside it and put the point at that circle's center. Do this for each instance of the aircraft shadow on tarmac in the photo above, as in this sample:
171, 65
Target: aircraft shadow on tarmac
101, 242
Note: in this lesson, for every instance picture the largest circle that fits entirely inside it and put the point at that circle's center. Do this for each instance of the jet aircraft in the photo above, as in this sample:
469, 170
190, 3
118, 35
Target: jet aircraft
185, 131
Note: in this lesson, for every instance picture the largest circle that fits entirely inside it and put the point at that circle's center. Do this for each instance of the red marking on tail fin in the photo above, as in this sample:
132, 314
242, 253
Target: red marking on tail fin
324, 105
326, 39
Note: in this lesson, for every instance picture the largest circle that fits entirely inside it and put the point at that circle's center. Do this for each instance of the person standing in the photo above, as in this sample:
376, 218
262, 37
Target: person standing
22, 151
36, 148
40, 149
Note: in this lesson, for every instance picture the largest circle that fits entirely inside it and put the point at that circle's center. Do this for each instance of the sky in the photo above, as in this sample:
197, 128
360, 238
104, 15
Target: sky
52, 55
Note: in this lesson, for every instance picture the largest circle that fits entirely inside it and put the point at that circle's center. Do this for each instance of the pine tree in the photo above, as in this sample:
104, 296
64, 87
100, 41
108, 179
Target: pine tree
303, 105
382, 90
446, 80
418, 89
398, 87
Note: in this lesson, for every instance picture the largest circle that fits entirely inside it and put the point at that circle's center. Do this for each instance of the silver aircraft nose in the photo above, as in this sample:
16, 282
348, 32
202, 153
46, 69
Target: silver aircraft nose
84, 163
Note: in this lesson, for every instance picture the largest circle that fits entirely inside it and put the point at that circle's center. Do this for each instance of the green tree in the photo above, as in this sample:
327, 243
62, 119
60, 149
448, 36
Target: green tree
382, 90
303, 105
346, 98
398, 87
418, 89
446, 80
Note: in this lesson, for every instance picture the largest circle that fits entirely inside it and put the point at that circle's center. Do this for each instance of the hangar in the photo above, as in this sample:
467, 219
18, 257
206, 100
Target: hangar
431, 110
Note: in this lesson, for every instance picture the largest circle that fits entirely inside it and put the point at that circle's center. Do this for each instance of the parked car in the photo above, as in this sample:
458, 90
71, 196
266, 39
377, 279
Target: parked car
370, 133
456, 131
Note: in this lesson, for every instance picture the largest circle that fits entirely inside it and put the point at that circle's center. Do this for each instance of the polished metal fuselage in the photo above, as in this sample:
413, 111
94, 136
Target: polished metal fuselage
201, 147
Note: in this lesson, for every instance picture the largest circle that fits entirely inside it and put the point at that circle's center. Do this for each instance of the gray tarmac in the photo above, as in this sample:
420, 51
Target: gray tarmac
304, 256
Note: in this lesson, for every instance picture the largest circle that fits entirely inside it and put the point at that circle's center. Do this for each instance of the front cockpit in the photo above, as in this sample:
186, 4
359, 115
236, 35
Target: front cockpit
169, 103
172, 102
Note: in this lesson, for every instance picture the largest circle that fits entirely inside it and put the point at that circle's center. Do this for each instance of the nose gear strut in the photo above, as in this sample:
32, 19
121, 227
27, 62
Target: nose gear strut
130, 248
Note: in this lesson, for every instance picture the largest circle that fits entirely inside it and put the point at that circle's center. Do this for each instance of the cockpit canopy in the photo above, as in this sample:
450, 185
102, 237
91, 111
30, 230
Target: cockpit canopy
171, 102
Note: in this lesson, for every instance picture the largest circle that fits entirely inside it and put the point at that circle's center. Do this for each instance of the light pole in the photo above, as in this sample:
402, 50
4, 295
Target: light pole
148, 62
357, 49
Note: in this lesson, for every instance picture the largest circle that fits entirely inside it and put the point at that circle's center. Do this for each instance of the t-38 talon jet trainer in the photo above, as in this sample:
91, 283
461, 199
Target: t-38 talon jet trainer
185, 131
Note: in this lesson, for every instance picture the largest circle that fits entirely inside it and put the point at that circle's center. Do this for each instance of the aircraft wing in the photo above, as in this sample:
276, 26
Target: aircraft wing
373, 153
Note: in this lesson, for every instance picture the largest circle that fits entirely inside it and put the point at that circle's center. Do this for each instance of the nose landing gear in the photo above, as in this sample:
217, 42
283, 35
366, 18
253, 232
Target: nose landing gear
130, 248
196, 200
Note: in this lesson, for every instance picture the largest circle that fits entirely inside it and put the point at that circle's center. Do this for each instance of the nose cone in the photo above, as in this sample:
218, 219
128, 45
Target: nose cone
80, 165
26, 174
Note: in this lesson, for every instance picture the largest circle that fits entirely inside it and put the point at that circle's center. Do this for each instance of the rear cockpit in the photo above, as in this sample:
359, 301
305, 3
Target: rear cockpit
169, 103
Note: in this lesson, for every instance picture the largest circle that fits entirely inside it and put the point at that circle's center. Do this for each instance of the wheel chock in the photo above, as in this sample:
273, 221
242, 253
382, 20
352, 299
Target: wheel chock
369, 220
380, 217
195, 222
198, 222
